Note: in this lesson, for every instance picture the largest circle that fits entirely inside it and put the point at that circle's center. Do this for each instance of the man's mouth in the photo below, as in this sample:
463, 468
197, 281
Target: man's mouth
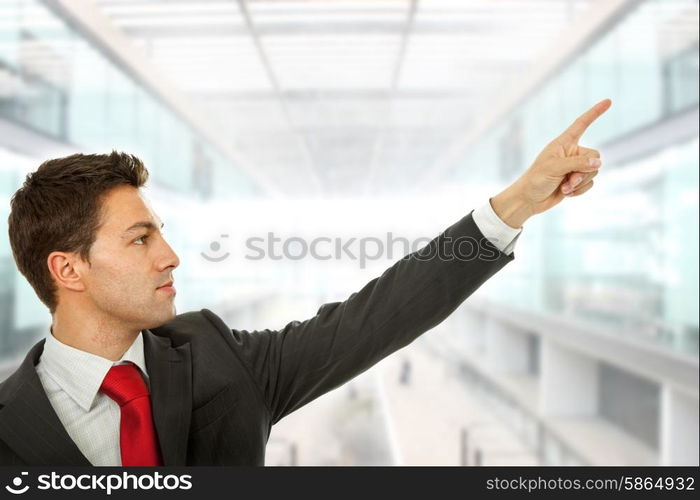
167, 287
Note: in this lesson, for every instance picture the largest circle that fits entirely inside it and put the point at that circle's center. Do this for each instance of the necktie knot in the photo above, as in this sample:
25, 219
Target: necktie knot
124, 383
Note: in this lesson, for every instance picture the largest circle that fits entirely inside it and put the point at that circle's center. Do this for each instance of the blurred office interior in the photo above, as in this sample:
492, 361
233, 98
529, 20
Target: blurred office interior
365, 119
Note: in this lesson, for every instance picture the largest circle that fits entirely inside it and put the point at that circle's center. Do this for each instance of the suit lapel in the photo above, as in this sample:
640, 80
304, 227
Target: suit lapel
28, 423
170, 373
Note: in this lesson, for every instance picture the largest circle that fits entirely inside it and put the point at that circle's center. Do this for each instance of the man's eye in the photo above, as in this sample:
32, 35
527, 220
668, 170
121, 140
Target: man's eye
144, 238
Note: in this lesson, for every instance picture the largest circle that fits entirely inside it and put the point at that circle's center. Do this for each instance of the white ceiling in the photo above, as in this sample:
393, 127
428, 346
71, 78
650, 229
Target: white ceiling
343, 98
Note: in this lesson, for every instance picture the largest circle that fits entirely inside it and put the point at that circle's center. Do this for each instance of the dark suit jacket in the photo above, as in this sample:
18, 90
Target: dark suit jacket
216, 392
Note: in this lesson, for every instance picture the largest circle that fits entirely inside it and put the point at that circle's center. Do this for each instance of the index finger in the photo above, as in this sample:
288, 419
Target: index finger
576, 129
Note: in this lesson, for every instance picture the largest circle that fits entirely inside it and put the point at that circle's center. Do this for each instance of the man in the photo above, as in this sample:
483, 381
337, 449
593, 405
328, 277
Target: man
121, 380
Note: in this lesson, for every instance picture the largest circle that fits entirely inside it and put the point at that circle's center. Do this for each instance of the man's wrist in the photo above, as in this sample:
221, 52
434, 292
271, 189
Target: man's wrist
511, 207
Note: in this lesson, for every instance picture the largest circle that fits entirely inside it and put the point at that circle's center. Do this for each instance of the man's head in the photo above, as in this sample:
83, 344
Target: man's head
84, 237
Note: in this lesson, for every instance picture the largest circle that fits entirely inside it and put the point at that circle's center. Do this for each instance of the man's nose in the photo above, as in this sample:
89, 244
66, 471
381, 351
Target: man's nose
169, 258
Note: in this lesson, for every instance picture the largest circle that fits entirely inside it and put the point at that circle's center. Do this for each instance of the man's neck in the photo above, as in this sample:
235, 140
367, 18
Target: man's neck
94, 335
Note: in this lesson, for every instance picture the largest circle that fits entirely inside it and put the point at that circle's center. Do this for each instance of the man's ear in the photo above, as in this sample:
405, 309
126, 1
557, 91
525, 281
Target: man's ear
67, 270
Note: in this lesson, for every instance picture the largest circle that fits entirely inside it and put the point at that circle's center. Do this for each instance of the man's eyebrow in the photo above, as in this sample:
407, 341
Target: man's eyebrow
142, 224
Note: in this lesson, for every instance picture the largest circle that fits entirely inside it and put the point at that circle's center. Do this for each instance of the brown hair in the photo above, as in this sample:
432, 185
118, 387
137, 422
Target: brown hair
58, 209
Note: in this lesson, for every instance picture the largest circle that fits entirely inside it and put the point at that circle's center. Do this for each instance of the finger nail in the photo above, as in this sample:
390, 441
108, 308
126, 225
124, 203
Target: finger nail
566, 189
594, 162
575, 181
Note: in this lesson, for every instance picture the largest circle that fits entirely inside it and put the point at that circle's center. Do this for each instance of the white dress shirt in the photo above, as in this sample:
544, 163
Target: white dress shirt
72, 378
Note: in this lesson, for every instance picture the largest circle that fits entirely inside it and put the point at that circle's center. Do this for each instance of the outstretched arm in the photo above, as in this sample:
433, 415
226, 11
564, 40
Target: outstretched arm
293, 366
305, 359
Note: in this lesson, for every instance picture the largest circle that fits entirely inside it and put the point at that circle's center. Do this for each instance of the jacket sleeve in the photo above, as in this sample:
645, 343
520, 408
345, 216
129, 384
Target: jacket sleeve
306, 359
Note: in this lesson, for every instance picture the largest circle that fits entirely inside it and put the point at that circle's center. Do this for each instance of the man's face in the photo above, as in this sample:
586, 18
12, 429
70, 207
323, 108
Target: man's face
130, 260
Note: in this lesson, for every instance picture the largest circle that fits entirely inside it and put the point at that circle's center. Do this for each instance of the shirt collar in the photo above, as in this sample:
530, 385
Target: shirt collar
79, 373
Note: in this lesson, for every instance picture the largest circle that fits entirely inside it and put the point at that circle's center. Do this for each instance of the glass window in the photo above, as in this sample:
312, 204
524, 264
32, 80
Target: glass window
87, 103
640, 93
120, 112
634, 269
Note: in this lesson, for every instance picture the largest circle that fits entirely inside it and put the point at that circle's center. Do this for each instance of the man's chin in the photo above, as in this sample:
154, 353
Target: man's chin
160, 320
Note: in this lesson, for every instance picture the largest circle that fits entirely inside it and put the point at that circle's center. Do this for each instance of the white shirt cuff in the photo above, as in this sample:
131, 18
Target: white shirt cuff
498, 232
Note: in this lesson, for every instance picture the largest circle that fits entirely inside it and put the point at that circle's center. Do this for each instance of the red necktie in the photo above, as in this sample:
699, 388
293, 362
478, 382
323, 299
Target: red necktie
137, 435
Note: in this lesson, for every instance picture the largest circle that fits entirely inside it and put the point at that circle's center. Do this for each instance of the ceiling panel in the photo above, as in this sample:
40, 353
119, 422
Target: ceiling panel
351, 97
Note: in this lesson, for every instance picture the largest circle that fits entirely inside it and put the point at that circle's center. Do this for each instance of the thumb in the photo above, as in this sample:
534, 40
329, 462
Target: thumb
562, 166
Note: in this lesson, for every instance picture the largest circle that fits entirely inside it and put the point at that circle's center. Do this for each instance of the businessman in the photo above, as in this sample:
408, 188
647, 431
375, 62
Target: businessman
120, 379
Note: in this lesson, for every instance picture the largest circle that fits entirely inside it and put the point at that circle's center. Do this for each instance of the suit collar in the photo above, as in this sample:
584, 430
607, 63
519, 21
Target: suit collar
29, 425
80, 373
